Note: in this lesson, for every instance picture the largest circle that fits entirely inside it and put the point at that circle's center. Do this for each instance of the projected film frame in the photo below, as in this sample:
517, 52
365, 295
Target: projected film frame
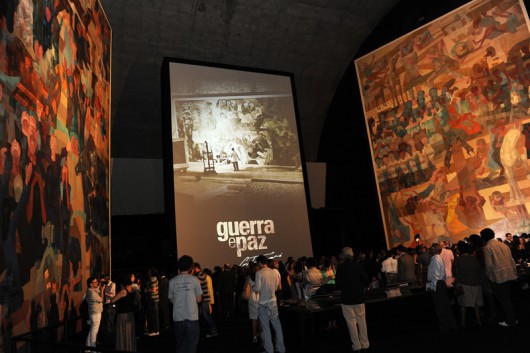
257, 120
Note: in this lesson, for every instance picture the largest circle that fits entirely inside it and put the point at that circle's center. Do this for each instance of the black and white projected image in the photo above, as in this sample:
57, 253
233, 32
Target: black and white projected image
252, 131
237, 171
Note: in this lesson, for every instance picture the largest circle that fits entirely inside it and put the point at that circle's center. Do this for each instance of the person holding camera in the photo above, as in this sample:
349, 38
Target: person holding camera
95, 308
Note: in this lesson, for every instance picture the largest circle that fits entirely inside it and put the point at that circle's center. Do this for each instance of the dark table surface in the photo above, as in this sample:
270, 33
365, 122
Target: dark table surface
331, 301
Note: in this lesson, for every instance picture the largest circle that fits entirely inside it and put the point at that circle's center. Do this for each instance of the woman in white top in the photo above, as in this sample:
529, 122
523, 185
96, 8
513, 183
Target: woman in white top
253, 301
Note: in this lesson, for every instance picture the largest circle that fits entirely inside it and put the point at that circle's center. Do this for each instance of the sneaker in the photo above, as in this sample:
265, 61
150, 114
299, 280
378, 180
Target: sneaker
212, 334
505, 324
151, 334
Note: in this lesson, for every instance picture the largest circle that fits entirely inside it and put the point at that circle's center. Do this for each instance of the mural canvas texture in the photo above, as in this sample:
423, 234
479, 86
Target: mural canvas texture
447, 111
54, 158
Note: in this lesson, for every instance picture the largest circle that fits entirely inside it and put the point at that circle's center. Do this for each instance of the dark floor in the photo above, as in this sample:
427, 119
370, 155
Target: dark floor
399, 325
403, 324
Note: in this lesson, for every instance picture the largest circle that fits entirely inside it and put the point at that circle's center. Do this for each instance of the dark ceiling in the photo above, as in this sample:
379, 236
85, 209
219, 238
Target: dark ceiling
315, 40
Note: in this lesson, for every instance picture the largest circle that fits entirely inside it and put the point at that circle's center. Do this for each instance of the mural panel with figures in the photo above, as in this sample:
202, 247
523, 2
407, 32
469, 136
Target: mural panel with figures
447, 111
54, 159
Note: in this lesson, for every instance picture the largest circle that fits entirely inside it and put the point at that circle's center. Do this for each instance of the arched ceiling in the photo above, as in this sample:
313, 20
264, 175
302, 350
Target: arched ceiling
315, 40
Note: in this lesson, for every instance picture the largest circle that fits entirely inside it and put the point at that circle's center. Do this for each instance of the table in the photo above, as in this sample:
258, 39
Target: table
300, 319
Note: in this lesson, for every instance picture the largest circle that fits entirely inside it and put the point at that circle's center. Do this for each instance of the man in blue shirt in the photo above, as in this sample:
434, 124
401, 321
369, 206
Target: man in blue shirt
436, 284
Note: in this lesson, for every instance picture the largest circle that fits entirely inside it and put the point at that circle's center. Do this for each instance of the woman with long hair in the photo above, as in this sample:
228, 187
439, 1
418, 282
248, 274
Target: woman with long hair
253, 301
126, 300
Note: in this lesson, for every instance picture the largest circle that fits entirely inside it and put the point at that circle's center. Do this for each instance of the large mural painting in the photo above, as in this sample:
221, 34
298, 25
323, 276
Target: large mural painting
447, 113
54, 158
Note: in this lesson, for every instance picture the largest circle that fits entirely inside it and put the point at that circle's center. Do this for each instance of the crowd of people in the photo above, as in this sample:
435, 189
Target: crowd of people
472, 274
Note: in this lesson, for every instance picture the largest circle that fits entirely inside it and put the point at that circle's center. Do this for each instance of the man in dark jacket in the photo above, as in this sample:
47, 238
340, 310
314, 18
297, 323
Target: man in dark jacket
351, 279
406, 272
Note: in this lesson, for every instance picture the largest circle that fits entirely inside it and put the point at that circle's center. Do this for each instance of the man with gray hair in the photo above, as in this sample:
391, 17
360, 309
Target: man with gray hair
351, 279
500, 269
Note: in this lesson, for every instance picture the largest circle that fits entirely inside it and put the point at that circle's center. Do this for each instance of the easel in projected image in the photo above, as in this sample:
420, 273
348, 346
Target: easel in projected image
207, 160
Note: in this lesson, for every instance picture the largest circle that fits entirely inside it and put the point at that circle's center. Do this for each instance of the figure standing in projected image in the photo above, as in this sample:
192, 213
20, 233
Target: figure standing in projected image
234, 157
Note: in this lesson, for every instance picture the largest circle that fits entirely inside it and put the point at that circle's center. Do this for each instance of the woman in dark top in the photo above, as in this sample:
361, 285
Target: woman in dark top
518, 250
468, 274
125, 301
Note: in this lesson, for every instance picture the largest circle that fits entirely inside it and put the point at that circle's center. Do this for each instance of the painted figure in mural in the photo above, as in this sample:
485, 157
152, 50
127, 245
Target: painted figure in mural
451, 133
394, 82
485, 161
512, 214
400, 231
487, 27
470, 209
463, 119
443, 66
409, 61
511, 158
11, 293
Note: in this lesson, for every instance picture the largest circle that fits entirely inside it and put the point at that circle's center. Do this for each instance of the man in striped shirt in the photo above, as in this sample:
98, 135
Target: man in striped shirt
152, 303
207, 299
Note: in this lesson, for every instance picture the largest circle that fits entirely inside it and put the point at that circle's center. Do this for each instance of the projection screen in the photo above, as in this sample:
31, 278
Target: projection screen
232, 150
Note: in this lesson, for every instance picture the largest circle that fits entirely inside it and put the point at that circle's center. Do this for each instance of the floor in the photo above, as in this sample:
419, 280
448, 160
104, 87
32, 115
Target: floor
401, 325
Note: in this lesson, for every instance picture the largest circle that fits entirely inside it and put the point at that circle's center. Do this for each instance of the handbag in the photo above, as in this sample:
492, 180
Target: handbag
245, 295
458, 289
457, 286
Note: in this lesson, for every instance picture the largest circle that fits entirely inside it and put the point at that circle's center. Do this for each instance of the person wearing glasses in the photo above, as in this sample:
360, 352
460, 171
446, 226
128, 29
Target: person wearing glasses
95, 308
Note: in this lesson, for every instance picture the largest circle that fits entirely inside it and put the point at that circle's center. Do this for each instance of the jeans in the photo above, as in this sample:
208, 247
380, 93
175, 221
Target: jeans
205, 313
268, 314
501, 291
442, 306
186, 335
95, 320
152, 316
355, 317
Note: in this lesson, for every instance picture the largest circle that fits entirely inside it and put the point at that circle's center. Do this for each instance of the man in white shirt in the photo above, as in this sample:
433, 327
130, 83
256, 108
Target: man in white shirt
436, 284
185, 293
266, 283
448, 258
311, 279
389, 268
